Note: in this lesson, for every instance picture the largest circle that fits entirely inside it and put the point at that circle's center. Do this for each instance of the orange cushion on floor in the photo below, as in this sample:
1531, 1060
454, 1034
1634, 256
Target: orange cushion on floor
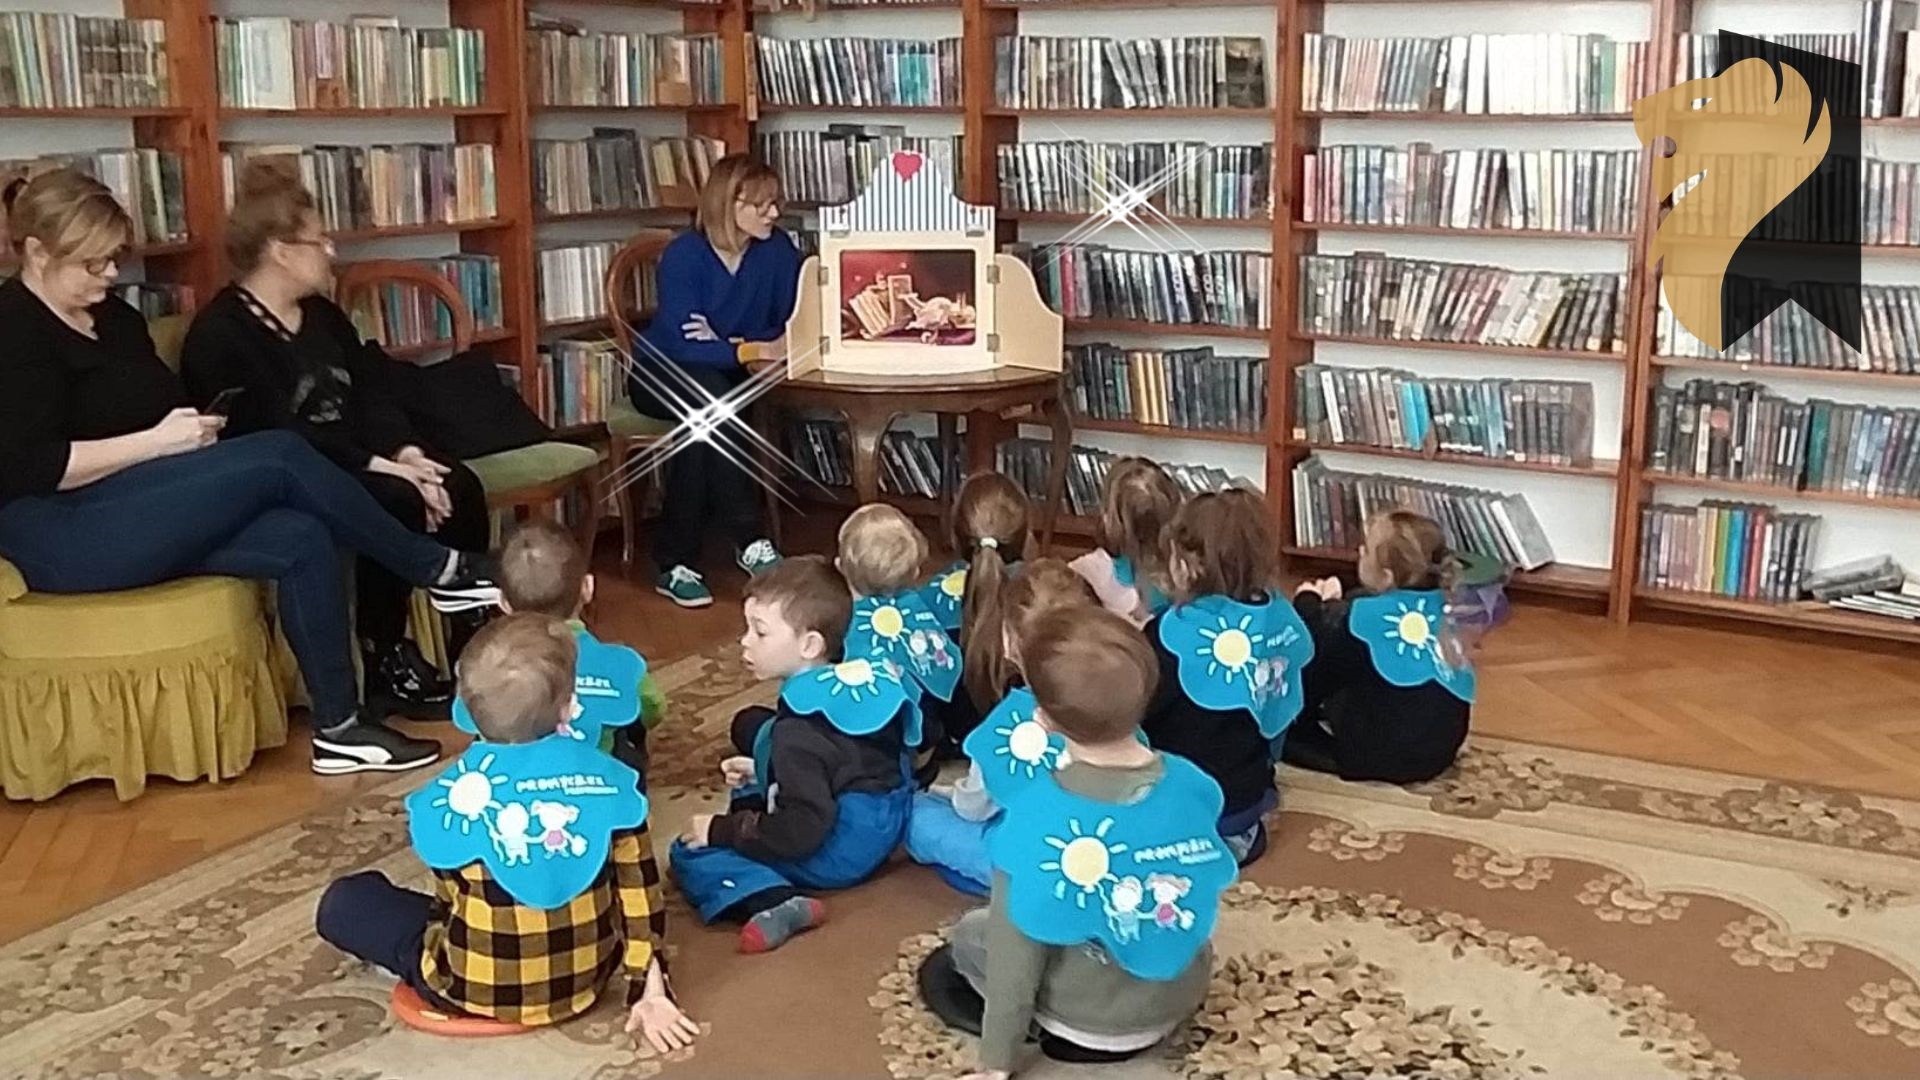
414, 1012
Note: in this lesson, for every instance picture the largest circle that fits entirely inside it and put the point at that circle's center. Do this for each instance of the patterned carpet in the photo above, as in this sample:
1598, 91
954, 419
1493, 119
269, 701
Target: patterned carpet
1538, 912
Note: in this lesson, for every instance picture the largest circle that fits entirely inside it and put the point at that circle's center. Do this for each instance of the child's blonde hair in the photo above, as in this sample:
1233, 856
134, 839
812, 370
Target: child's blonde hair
1137, 505
1405, 549
1043, 585
881, 551
989, 529
516, 677
1222, 545
543, 571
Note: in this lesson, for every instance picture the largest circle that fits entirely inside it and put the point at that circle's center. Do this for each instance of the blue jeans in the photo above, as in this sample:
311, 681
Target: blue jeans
266, 507
955, 847
868, 828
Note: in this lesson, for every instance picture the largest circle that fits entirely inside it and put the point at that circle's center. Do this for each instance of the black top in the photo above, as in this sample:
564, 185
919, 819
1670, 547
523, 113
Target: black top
323, 381
1225, 743
59, 386
813, 764
1401, 734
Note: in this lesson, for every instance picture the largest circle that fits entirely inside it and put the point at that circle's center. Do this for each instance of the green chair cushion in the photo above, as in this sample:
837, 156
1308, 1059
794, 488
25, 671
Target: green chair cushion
626, 422
532, 466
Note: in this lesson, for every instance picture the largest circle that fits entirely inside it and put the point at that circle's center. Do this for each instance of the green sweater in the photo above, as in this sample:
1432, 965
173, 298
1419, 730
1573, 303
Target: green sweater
653, 700
1077, 985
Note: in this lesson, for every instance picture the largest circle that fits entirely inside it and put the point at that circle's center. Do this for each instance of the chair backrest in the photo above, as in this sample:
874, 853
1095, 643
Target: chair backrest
360, 277
636, 257
169, 333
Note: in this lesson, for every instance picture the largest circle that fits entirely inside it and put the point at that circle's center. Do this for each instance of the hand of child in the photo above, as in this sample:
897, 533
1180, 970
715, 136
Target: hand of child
662, 1024
695, 834
1330, 588
737, 771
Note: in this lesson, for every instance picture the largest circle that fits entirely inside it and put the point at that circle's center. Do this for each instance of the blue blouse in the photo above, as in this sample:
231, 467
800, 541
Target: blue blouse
752, 303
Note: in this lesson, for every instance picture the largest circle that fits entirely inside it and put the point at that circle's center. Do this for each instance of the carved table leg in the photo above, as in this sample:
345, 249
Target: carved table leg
1057, 415
949, 442
865, 426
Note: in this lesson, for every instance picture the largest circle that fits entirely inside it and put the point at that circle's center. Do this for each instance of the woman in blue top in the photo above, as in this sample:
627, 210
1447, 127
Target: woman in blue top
729, 280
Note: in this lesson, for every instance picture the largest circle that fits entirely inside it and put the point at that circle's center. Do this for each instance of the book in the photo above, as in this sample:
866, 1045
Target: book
1866, 575
1746, 551
1545, 421
1792, 338
572, 282
858, 72
1331, 508
1177, 179
1182, 388
1372, 295
53, 60
619, 169
1881, 47
569, 64
397, 316
1032, 72
909, 464
1550, 74
156, 300
150, 184
1027, 462
1174, 288
1745, 432
579, 382
384, 186
1559, 190
833, 166
372, 62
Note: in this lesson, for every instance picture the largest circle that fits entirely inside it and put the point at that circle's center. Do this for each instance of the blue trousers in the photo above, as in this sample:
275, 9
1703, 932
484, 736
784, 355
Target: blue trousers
266, 507
369, 917
1245, 831
955, 847
866, 830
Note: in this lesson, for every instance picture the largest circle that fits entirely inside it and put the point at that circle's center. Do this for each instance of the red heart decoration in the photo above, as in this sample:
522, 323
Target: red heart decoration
906, 166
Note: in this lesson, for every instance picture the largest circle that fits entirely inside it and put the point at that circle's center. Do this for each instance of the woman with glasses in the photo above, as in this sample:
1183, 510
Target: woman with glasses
731, 280
302, 366
110, 481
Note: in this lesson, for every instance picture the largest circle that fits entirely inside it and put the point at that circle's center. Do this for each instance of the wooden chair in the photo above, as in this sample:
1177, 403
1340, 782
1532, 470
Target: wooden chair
530, 478
631, 430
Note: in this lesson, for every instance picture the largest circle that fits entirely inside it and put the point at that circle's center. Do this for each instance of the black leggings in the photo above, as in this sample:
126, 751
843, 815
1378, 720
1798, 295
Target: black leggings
705, 491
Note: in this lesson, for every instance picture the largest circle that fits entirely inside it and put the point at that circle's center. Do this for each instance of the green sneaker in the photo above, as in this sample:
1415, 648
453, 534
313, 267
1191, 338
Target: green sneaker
683, 586
757, 557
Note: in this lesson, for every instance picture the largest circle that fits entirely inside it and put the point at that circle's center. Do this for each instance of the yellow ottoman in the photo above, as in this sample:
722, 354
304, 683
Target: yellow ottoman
176, 680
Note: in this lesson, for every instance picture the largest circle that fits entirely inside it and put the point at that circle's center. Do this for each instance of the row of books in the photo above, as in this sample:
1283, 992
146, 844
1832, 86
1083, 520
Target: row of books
619, 169
1559, 190
52, 60
1213, 72
1026, 462
1744, 432
1792, 338
570, 65
1527, 420
1183, 388
1743, 550
156, 300
1824, 208
1372, 295
1331, 508
402, 315
1177, 288
1875, 585
831, 167
149, 183
909, 464
572, 280
859, 72
578, 382
371, 62
377, 187
1885, 47
1506, 74
1178, 179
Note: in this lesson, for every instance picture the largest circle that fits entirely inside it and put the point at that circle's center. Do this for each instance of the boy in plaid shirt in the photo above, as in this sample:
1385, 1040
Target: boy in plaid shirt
473, 947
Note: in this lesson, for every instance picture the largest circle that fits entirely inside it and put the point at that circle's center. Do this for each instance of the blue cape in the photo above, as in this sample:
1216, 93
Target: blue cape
541, 816
903, 631
1156, 601
858, 697
945, 594
1240, 656
1011, 747
1143, 879
606, 690
1402, 631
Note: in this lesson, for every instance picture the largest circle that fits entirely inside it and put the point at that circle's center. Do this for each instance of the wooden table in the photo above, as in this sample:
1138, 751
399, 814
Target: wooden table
991, 400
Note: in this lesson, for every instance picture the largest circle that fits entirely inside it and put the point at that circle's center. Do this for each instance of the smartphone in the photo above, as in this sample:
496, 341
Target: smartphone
223, 401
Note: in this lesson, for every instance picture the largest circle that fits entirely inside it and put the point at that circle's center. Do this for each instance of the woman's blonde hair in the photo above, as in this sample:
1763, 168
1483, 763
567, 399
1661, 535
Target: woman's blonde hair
1044, 585
881, 550
1224, 546
1410, 550
735, 178
74, 216
269, 203
989, 530
1137, 505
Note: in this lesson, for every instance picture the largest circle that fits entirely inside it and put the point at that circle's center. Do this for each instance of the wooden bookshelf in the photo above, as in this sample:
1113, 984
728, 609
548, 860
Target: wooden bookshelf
1167, 113
1141, 326
1763, 490
1801, 615
1050, 218
489, 336
1736, 369
1447, 230
147, 112
1167, 431
1553, 579
447, 112
1600, 469
1469, 118
1518, 351
428, 228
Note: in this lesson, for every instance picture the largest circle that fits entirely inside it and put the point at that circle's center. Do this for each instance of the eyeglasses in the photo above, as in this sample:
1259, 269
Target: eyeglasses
763, 205
325, 244
99, 267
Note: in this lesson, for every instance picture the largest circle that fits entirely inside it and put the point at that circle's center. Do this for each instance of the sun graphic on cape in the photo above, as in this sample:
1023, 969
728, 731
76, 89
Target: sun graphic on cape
1412, 628
953, 584
1085, 862
885, 621
859, 678
1025, 742
1230, 647
469, 795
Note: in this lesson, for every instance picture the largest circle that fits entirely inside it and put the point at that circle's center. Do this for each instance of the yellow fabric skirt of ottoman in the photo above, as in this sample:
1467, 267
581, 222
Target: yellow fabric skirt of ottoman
177, 680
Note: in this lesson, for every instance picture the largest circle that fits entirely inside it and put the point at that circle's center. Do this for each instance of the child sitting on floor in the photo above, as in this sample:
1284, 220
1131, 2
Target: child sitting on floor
881, 556
543, 571
948, 830
1128, 571
1390, 691
822, 792
1107, 872
988, 531
544, 879
1230, 651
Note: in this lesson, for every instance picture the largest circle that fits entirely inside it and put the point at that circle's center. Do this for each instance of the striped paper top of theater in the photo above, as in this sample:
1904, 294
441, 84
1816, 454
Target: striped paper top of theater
908, 193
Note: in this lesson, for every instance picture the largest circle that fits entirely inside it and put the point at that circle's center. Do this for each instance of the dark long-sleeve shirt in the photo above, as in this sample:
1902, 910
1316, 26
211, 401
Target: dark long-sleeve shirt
812, 765
351, 419
59, 386
1400, 734
1225, 743
751, 303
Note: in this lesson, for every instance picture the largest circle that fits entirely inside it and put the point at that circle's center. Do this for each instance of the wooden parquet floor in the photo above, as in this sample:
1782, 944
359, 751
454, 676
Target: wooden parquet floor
1796, 711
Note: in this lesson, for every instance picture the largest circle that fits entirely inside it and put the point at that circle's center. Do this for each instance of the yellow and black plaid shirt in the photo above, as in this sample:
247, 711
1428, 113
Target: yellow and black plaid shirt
493, 957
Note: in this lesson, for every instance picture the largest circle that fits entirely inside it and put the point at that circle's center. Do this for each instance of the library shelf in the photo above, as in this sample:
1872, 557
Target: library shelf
349, 113
1776, 491
94, 112
1804, 615
425, 228
1167, 431
1145, 220
1434, 116
165, 248
1556, 579
1741, 369
768, 108
1067, 524
1475, 232
1141, 326
576, 326
1171, 113
1086, 5
656, 5
558, 109
612, 213
890, 6
425, 348
1522, 351
1601, 469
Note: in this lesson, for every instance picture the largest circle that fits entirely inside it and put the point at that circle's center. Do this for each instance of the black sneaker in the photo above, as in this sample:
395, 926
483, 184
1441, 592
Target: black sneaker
401, 677
471, 586
369, 747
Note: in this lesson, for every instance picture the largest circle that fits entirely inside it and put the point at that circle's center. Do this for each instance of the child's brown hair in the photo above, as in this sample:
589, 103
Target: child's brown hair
1137, 504
881, 550
989, 530
811, 595
1091, 672
542, 570
1405, 549
1220, 544
516, 677
1044, 585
